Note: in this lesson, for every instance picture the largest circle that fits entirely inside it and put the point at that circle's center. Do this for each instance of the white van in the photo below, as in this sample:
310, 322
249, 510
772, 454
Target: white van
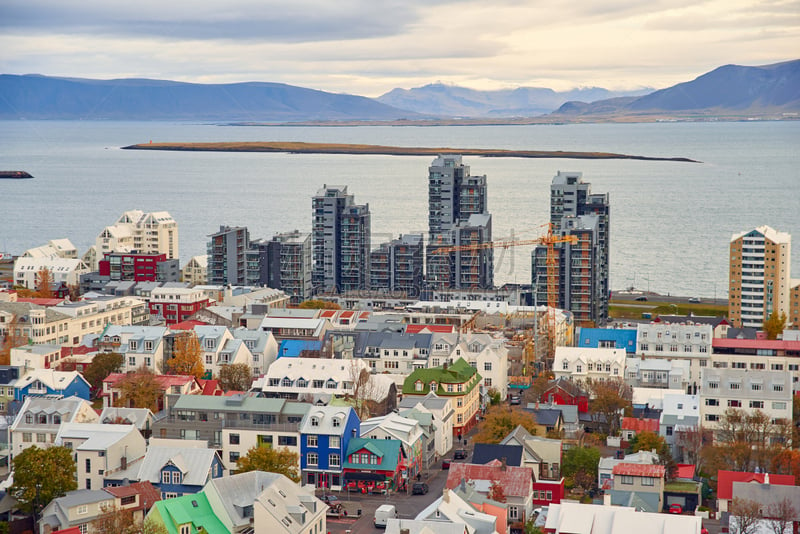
383, 514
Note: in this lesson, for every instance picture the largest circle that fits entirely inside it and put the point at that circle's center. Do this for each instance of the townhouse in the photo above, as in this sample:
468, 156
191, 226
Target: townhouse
583, 365
39, 420
325, 435
140, 346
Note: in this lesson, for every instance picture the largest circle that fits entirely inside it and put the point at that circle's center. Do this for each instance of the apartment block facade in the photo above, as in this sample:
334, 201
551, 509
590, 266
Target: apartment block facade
397, 266
155, 232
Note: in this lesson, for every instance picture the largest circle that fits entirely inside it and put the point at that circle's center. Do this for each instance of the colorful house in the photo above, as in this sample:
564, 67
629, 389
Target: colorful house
41, 382
725, 480
190, 514
375, 465
565, 392
459, 382
325, 434
394, 426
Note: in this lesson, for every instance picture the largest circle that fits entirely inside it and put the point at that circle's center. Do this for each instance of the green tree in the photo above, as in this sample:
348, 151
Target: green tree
103, 364
580, 465
494, 397
500, 421
139, 390
187, 356
315, 304
41, 475
235, 377
271, 460
774, 325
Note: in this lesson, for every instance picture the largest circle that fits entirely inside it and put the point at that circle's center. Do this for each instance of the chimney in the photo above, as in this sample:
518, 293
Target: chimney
446, 495
123, 463
503, 463
607, 499
766, 478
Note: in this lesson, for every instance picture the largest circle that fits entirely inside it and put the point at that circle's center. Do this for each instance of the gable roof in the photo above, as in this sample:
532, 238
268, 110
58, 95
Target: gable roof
640, 425
194, 463
236, 492
194, 509
516, 481
639, 470
486, 452
725, 480
389, 450
460, 372
148, 494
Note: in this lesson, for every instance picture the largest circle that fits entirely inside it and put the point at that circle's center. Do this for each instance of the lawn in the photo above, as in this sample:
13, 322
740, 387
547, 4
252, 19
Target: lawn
631, 309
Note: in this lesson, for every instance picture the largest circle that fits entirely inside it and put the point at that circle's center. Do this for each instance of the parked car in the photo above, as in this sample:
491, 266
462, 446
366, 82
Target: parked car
331, 500
514, 400
641, 298
445, 464
694, 300
460, 454
419, 488
383, 514
675, 508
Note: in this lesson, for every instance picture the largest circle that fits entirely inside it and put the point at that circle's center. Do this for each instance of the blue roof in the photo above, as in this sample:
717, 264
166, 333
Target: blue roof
293, 348
623, 338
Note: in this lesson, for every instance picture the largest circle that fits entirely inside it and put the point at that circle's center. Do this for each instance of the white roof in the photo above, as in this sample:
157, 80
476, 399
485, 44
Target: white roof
99, 437
49, 377
403, 428
576, 518
324, 416
769, 233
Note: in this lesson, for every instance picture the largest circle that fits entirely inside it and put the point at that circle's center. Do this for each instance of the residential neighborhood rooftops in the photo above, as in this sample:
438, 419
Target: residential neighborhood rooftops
640, 425
190, 509
639, 470
516, 481
725, 480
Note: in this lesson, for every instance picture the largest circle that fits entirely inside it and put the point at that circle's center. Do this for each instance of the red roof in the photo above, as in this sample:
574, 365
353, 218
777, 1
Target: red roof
148, 494
684, 471
187, 325
66, 352
70, 530
165, 381
346, 314
640, 425
432, 328
516, 481
210, 387
41, 301
768, 344
725, 480
640, 470
328, 314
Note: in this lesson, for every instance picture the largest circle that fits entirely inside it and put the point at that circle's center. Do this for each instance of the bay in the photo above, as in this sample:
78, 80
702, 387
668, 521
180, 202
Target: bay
671, 222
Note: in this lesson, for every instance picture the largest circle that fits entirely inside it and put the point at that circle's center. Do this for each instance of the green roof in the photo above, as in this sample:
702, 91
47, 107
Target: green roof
683, 487
460, 372
246, 403
388, 450
192, 509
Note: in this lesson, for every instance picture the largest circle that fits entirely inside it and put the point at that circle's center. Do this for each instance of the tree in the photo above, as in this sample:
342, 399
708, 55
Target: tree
235, 377
500, 420
364, 389
773, 325
122, 521
41, 475
282, 461
187, 358
745, 515
647, 441
315, 304
44, 283
496, 492
139, 390
580, 464
746, 440
494, 396
780, 516
692, 440
538, 387
787, 462
609, 400
14, 337
103, 364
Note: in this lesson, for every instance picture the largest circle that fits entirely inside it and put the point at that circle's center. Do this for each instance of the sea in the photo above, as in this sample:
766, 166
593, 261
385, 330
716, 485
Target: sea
671, 222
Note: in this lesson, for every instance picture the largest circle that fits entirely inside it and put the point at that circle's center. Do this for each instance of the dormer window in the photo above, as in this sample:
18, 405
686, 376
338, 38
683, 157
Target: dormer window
314, 421
433, 385
132, 345
418, 385
336, 422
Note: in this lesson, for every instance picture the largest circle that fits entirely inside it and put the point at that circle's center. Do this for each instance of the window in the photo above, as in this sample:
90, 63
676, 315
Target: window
713, 385
334, 460
549, 496
669, 431
626, 479
579, 368
734, 403
777, 387
83, 509
565, 365
233, 439
778, 405
336, 422
314, 421
513, 512
132, 361
487, 366
712, 417
41, 437
755, 387
648, 481
735, 385
334, 442
712, 402
312, 458
287, 441
757, 404
186, 529
88, 465
165, 477
234, 456
83, 528
311, 441
487, 382
176, 477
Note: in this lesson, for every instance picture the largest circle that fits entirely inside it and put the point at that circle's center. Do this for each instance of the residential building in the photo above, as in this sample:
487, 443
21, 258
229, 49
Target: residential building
221, 348
581, 365
772, 499
228, 261
459, 228
141, 418
375, 463
576, 518
140, 346
605, 467
396, 353
564, 392
682, 339
659, 373
288, 265
794, 304
638, 483
262, 346
727, 479
176, 304
759, 276
36, 356
325, 434
443, 417
397, 266
487, 354
195, 272
169, 385
748, 390
282, 507
680, 415
295, 327
759, 354
8, 378
39, 420
631, 426
63, 271
458, 381
186, 515
451, 509
55, 248
408, 431
517, 484
340, 241
139, 267
100, 450
608, 338
155, 232
45, 382
581, 265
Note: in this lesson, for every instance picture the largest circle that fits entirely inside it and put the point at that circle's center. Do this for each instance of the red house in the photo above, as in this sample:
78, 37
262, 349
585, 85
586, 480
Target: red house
566, 393
131, 266
725, 480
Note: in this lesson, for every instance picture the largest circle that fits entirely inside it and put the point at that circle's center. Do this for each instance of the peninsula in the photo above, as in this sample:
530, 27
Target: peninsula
335, 148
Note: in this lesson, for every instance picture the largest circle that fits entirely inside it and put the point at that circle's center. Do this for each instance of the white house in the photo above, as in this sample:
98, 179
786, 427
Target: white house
221, 348
66, 271
441, 409
582, 364
40, 418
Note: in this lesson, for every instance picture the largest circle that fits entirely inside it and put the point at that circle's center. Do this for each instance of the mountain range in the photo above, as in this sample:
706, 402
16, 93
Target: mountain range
730, 90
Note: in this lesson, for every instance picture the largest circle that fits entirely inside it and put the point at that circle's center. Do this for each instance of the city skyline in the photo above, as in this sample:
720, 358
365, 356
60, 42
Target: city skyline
367, 49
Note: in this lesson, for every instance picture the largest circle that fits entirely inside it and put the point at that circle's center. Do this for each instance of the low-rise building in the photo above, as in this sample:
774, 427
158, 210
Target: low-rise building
516, 484
48, 382
581, 364
39, 420
63, 271
195, 272
408, 431
442, 414
638, 483
176, 304
325, 434
140, 346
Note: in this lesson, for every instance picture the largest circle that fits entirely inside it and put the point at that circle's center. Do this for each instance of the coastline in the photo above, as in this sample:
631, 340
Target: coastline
336, 148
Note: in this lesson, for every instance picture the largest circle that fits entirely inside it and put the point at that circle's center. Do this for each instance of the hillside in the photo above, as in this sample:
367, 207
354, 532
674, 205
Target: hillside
731, 90
43, 97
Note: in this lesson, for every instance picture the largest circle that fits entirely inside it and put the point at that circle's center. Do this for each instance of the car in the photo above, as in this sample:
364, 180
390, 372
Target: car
515, 400
460, 454
694, 300
331, 500
419, 488
675, 508
641, 298
445, 464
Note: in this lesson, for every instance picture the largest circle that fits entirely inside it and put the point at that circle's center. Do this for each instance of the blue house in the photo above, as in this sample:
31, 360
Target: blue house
297, 348
175, 471
608, 338
325, 433
40, 382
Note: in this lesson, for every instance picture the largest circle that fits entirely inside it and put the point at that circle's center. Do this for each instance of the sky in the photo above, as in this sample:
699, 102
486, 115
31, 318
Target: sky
368, 47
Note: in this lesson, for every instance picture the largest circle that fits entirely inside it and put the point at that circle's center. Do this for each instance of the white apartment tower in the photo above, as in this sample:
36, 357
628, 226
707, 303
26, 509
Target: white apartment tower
147, 233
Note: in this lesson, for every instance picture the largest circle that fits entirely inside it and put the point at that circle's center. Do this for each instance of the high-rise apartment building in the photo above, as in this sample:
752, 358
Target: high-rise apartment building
148, 233
759, 281
582, 266
458, 217
397, 265
227, 256
286, 264
340, 241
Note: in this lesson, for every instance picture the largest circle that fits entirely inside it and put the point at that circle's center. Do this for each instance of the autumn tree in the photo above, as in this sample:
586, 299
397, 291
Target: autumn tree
44, 283
496, 492
579, 464
187, 357
781, 515
235, 377
745, 514
774, 324
494, 396
41, 475
610, 398
282, 461
538, 387
12, 338
500, 420
122, 521
139, 389
316, 304
364, 389
650, 441
787, 462
746, 440
103, 364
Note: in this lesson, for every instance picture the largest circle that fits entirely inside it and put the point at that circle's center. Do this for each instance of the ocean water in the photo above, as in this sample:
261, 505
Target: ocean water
671, 222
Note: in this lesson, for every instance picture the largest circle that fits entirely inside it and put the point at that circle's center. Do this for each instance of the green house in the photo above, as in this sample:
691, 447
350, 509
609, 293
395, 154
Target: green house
190, 514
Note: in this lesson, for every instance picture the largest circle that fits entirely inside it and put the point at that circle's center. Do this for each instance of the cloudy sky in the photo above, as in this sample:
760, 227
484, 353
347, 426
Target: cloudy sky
368, 47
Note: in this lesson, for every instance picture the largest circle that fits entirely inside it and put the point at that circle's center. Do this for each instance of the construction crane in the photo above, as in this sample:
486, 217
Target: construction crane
549, 240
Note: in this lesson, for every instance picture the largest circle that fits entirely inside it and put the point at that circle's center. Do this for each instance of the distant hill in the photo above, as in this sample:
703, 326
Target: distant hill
451, 101
727, 90
44, 97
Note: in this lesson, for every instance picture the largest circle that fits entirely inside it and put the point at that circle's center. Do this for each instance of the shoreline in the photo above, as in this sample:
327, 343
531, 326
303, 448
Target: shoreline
357, 149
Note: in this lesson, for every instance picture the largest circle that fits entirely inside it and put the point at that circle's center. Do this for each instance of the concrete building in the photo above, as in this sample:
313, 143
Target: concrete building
581, 364
227, 256
63, 271
139, 267
196, 271
397, 266
176, 304
287, 263
582, 267
759, 276
460, 226
155, 232
340, 241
